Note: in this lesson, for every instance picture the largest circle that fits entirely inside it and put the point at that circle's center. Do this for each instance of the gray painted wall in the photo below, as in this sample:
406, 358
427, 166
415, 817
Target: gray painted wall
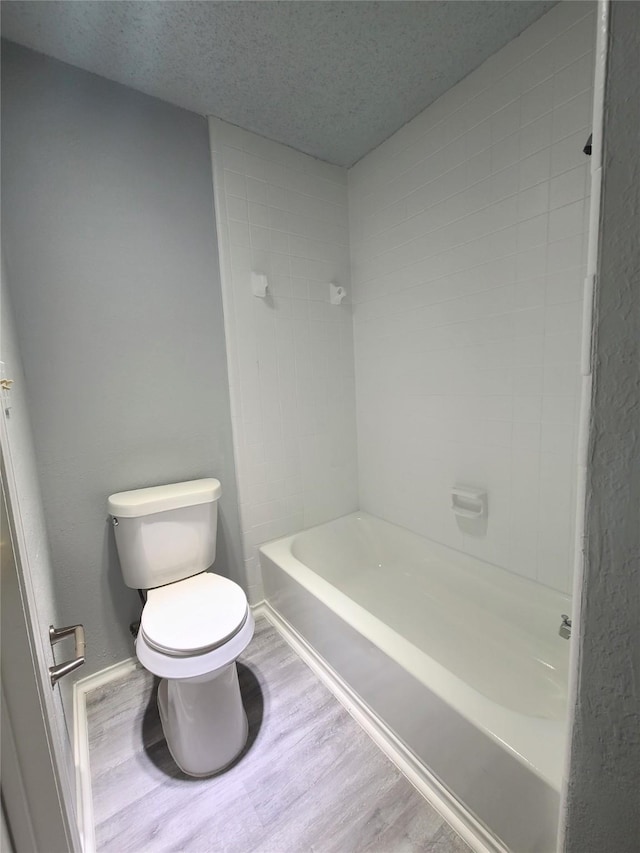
109, 240
604, 781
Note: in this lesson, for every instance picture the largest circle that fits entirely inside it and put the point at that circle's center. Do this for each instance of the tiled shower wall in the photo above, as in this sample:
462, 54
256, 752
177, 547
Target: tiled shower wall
291, 366
468, 245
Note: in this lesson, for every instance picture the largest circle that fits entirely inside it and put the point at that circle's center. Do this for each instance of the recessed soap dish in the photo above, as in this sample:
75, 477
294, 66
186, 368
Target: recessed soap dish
469, 502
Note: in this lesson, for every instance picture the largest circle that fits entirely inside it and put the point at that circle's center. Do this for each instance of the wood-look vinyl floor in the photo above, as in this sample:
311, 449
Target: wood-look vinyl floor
309, 779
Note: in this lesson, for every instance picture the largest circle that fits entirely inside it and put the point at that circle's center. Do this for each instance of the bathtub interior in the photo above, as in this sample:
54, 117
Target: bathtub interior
468, 754
496, 631
483, 640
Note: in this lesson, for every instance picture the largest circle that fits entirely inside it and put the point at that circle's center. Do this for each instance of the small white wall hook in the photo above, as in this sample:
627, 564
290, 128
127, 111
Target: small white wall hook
336, 293
259, 285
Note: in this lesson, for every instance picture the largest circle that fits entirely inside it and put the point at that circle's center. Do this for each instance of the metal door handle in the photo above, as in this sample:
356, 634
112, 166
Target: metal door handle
57, 634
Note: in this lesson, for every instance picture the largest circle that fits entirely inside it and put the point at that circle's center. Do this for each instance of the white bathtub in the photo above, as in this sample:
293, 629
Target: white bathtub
460, 658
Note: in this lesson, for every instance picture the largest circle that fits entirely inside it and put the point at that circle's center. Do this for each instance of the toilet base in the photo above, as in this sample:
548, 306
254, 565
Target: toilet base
203, 720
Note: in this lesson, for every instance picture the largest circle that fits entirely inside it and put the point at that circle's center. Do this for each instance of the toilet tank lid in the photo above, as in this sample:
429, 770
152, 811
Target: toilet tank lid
139, 502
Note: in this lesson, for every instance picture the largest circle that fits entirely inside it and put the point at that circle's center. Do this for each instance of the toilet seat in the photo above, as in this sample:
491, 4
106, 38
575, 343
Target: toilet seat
193, 616
195, 667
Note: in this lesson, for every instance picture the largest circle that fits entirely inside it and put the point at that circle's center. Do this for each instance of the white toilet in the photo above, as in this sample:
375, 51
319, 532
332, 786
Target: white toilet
194, 623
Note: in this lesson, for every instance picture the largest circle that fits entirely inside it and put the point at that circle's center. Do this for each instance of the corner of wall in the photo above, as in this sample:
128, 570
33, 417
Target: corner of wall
284, 215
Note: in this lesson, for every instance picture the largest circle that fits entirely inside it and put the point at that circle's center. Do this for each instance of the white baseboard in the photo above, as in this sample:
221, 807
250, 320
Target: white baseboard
84, 796
476, 835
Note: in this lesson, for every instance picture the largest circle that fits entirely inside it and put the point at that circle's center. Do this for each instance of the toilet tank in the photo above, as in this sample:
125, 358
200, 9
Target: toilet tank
165, 533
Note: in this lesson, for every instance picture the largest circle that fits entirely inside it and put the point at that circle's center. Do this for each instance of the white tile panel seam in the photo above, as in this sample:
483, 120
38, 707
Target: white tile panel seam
445, 276
241, 161
488, 180
523, 125
473, 210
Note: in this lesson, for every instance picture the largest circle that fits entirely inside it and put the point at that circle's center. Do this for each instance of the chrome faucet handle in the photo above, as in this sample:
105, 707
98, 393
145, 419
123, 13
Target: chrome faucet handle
565, 626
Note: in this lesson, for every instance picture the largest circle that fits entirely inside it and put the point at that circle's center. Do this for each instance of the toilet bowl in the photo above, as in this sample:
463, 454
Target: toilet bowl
194, 624
191, 633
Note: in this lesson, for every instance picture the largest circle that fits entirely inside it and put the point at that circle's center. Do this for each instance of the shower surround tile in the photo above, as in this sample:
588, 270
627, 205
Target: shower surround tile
283, 214
468, 253
309, 780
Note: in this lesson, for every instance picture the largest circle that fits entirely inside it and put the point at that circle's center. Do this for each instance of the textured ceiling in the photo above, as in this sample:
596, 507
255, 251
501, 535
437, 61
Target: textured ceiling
333, 79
